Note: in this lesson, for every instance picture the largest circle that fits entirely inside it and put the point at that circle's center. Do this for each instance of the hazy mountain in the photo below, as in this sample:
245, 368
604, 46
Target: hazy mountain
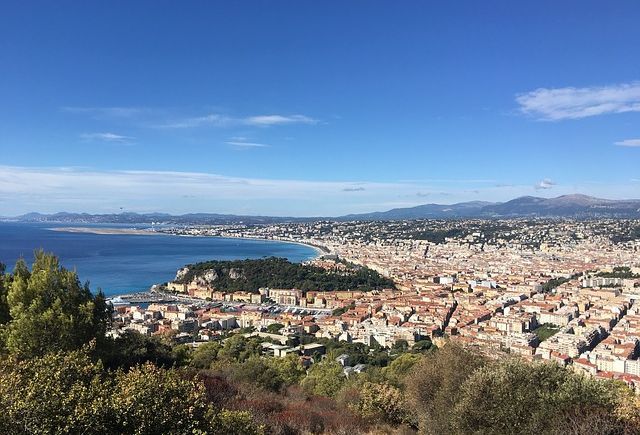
147, 218
577, 206
426, 211
581, 206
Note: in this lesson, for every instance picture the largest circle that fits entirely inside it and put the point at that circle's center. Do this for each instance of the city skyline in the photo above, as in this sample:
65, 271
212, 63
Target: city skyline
308, 109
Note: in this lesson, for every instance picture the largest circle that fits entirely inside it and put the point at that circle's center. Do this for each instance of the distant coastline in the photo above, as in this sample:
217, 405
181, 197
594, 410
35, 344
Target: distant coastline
320, 250
107, 231
124, 261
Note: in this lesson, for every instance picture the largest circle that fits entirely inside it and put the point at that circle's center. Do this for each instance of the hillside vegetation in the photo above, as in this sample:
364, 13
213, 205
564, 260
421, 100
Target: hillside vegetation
250, 275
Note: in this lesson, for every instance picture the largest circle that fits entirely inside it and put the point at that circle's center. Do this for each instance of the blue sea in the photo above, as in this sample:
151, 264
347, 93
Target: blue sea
122, 263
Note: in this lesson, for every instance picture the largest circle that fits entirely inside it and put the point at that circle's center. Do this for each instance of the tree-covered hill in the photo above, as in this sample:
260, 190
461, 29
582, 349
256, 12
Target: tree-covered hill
250, 275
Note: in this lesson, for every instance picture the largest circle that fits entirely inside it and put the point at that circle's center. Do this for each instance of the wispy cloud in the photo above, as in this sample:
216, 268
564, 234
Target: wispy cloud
554, 104
267, 120
629, 143
107, 112
76, 189
173, 118
107, 137
221, 120
213, 120
448, 180
241, 143
544, 184
354, 189
52, 189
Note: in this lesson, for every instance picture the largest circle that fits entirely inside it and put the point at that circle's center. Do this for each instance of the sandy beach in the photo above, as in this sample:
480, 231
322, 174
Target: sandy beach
91, 230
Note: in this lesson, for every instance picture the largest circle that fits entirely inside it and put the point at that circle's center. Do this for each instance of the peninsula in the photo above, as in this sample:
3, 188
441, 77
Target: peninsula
107, 231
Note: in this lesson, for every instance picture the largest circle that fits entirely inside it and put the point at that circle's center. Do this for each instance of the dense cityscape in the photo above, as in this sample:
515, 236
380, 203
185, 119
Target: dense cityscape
319, 217
556, 290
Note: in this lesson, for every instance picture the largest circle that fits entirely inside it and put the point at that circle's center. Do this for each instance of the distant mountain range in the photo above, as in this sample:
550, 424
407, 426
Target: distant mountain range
566, 206
426, 211
573, 206
147, 218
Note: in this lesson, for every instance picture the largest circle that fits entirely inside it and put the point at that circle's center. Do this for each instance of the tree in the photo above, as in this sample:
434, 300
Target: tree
275, 272
594, 420
324, 379
358, 352
254, 371
382, 402
433, 384
148, 399
4, 306
50, 310
205, 355
133, 348
400, 367
239, 348
67, 392
234, 422
274, 328
181, 355
289, 368
61, 392
513, 397
422, 346
400, 346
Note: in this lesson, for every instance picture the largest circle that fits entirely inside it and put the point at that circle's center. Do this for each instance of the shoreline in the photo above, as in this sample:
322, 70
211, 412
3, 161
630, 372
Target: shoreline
320, 250
106, 231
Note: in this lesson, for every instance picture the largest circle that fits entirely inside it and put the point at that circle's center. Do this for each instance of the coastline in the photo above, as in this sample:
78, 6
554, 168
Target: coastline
319, 249
106, 231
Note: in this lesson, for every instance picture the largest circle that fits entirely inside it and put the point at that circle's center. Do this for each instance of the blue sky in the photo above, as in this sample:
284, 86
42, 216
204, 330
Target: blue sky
314, 108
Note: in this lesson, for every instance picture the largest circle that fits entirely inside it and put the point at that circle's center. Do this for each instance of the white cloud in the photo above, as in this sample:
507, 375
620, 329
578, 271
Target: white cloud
629, 143
214, 120
266, 120
81, 189
574, 103
220, 120
448, 180
246, 145
162, 118
106, 137
544, 184
53, 189
107, 112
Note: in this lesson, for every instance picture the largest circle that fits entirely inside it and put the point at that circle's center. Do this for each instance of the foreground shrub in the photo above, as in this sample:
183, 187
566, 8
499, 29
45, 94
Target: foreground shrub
382, 402
147, 399
63, 392
324, 379
66, 392
516, 397
433, 387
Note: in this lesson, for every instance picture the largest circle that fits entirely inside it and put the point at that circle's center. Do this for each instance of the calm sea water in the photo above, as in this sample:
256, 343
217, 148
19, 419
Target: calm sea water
123, 263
